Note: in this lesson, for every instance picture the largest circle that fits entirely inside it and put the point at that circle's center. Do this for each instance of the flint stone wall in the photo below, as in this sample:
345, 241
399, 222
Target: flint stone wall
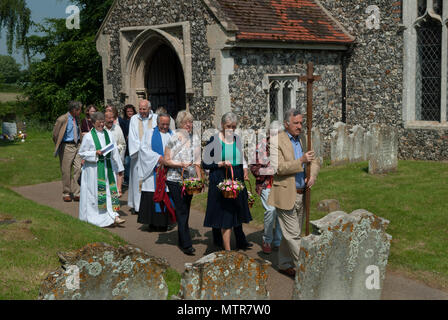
225, 276
335, 261
107, 273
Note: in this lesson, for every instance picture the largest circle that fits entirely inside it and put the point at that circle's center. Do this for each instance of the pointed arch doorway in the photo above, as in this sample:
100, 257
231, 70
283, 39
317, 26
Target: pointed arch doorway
164, 81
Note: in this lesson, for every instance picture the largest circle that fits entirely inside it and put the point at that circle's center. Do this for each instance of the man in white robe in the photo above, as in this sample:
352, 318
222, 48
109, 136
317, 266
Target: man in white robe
140, 123
150, 157
88, 205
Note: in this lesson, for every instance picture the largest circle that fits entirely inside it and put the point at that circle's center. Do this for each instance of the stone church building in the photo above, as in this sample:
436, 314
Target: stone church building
381, 61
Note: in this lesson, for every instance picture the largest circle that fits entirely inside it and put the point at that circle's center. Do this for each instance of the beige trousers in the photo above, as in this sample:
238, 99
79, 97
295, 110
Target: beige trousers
68, 158
291, 222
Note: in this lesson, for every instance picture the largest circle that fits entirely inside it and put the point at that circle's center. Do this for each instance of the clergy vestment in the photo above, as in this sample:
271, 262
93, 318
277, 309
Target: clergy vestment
151, 149
88, 205
118, 135
137, 129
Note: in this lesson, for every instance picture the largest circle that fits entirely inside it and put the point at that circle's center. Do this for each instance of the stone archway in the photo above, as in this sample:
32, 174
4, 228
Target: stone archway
164, 81
156, 64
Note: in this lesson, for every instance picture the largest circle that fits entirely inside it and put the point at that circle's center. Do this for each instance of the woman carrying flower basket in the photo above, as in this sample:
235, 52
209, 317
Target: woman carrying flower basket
223, 156
182, 154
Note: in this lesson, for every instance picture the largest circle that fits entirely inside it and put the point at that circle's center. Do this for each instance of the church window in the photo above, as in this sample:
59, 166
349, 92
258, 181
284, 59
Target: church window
282, 95
425, 63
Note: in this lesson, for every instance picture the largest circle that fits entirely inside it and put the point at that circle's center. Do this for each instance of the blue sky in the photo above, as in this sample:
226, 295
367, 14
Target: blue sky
40, 9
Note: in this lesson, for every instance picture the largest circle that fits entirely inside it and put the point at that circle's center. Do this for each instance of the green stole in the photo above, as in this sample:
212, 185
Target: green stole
102, 192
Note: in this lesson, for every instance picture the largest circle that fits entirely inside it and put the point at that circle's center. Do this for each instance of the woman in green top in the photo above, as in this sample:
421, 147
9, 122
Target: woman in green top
223, 151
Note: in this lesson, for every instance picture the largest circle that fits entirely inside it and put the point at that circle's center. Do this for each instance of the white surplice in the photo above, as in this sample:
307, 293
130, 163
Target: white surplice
119, 139
134, 139
88, 203
148, 160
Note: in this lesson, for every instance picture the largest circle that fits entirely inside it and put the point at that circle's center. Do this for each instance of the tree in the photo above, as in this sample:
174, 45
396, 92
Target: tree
15, 16
71, 67
10, 69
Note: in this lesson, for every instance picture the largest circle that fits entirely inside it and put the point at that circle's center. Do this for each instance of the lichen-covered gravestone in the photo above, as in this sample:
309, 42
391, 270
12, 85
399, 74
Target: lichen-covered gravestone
384, 155
225, 276
102, 272
340, 144
345, 258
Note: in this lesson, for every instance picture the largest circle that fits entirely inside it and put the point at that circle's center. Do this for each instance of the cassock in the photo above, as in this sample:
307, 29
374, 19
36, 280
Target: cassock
137, 129
88, 204
151, 149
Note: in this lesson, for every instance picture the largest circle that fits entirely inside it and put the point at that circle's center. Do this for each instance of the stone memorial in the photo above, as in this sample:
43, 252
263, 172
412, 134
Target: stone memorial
225, 276
9, 129
384, 155
316, 143
340, 144
344, 258
357, 144
102, 272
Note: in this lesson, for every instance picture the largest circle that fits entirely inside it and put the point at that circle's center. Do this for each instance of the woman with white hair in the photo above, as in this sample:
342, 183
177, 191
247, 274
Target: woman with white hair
182, 154
224, 153
99, 201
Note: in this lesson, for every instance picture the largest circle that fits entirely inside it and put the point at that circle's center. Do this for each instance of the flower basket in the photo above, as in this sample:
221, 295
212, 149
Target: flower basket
230, 188
192, 186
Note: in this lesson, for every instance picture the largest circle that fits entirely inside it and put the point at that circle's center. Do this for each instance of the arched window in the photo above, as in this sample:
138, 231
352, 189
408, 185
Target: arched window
425, 64
282, 94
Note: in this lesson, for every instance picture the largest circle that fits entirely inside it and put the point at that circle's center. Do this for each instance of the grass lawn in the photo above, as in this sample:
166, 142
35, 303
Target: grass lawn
28, 251
413, 199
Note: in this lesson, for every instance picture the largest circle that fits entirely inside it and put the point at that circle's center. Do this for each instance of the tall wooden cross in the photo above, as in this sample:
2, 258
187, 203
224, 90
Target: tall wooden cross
309, 79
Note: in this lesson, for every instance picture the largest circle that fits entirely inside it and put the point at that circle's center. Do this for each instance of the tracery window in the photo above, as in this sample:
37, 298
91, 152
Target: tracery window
426, 60
282, 95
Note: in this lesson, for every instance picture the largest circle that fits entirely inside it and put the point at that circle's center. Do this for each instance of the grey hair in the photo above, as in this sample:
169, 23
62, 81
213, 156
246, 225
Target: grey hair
229, 117
97, 116
74, 105
162, 115
291, 113
183, 116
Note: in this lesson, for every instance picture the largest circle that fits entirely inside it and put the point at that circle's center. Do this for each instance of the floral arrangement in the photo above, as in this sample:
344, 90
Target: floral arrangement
230, 189
250, 199
192, 185
21, 136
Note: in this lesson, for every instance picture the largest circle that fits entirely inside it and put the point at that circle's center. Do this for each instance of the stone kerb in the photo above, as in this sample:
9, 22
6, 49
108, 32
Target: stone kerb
225, 276
340, 144
102, 272
384, 153
345, 258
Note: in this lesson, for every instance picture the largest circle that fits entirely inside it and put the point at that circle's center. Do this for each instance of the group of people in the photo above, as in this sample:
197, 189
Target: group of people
161, 154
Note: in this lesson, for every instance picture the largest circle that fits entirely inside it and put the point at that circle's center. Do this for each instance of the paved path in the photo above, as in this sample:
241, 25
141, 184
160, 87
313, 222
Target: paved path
164, 245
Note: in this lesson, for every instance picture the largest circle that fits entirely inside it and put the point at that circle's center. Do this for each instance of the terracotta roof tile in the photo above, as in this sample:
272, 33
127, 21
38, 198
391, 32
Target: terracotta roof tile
283, 20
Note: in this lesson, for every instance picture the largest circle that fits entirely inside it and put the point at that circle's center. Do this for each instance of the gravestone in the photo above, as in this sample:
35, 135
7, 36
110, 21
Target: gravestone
9, 129
368, 142
316, 143
357, 144
225, 275
340, 144
384, 155
102, 272
328, 205
344, 258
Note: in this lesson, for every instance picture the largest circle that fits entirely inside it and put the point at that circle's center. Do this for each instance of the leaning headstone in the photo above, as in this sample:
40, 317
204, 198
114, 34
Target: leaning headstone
225, 275
328, 205
340, 144
357, 144
384, 155
102, 272
345, 258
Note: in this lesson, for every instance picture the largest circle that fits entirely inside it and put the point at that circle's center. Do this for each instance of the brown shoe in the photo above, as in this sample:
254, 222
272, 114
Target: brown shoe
119, 221
76, 199
290, 272
67, 198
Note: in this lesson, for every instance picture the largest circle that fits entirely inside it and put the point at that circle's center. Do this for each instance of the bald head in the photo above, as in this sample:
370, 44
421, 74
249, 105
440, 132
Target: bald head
143, 108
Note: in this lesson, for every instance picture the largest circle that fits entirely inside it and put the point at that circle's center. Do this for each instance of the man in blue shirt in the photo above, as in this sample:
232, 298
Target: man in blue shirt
67, 139
289, 158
